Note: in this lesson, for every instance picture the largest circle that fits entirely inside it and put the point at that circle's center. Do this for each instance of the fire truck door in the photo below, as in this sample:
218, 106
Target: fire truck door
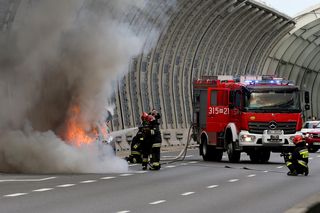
217, 112
236, 101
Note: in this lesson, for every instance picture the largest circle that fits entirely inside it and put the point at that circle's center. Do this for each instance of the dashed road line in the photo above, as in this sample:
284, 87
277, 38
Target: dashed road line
266, 171
252, 175
279, 167
310, 158
233, 180
212, 186
126, 174
27, 180
15, 195
42, 190
66, 185
187, 193
140, 172
107, 178
125, 211
88, 181
170, 166
157, 202
193, 162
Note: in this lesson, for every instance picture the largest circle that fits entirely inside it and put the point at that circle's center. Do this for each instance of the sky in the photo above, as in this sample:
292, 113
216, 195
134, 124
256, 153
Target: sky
291, 7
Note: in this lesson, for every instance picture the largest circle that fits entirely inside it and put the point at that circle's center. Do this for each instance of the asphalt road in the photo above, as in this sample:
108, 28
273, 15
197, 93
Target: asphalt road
191, 186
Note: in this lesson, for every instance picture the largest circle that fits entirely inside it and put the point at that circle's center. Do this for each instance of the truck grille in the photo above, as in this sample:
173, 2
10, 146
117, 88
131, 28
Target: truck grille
259, 127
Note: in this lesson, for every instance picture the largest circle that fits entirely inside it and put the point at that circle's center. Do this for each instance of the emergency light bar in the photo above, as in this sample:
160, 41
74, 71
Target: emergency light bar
270, 82
245, 79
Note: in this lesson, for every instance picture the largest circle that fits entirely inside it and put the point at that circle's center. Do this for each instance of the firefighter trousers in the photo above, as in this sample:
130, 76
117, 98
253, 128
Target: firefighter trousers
155, 150
299, 166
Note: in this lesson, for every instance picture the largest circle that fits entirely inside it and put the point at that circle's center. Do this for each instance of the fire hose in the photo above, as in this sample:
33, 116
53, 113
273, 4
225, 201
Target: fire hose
181, 156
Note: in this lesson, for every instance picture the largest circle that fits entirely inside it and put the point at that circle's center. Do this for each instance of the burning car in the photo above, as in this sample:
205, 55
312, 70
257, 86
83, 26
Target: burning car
311, 131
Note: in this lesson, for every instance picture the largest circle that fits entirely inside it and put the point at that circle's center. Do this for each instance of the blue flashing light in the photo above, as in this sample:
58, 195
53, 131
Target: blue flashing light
274, 82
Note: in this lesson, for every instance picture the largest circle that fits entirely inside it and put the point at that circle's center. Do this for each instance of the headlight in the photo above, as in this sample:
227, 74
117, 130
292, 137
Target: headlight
291, 138
247, 138
308, 135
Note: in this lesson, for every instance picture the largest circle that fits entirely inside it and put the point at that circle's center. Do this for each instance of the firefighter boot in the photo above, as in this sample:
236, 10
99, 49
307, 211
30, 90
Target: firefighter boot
155, 166
306, 172
129, 159
144, 164
292, 173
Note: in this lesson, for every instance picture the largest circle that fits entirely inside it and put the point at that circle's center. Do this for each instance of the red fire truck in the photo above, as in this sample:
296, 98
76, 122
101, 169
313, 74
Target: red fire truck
253, 114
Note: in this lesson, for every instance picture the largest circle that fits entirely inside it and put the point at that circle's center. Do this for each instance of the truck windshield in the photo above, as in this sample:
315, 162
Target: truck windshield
273, 101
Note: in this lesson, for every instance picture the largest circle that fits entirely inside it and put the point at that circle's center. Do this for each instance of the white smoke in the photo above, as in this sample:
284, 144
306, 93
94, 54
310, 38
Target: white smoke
55, 56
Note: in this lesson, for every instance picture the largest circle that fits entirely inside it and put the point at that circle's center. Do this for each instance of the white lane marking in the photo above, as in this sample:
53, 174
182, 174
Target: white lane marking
107, 178
157, 202
233, 180
125, 175
252, 175
88, 181
183, 164
310, 158
280, 167
125, 211
42, 190
192, 162
318, 156
171, 166
212, 186
141, 172
27, 180
265, 171
15, 195
224, 156
133, 164
187, 193
65, 185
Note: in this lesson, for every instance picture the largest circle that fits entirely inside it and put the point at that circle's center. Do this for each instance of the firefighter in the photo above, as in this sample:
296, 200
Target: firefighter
155, 139
146, 144
136, 144
297, 161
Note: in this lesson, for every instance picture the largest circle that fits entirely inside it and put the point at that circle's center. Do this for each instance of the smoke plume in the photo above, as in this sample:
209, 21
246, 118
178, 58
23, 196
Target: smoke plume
57, 55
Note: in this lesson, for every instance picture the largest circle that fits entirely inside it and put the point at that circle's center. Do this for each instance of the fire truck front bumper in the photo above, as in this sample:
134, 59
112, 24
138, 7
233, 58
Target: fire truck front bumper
270, 138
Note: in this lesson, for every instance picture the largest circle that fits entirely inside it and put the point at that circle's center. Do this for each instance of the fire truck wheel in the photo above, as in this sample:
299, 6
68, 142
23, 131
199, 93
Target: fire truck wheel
312, 149
205, 150
210, 153
233, 155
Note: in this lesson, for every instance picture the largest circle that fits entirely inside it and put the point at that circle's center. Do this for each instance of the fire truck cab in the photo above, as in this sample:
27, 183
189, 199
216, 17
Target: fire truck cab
253, 114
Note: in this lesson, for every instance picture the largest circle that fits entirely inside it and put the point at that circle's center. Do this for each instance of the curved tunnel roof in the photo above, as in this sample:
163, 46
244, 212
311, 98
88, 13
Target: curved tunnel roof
206, 37
297, 55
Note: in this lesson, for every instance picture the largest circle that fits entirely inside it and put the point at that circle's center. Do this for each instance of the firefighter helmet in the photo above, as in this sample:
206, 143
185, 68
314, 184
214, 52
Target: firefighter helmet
150, 118
298, 139
144, 116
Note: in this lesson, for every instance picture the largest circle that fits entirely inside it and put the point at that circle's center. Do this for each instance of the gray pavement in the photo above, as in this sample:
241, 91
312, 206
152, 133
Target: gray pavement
184, 186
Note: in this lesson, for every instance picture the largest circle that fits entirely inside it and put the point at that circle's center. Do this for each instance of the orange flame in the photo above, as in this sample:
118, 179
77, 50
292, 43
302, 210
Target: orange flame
75, 132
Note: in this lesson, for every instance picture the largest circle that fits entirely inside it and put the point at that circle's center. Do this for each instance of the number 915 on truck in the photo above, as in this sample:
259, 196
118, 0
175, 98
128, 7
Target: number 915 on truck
252, 114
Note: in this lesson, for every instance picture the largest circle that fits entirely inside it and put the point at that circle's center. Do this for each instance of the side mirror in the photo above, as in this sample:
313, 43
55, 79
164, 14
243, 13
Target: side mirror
307, 107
